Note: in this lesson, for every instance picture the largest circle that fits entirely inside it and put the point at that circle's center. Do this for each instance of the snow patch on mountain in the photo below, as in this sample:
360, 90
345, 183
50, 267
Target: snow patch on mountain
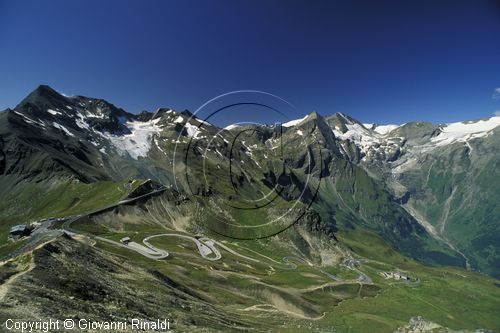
159, 147
62, 128
465, 131
359, 135
192, 130
138, 142
80, 121
54, 112
293, 122
29, 120
94, 115
385, 129
382, 129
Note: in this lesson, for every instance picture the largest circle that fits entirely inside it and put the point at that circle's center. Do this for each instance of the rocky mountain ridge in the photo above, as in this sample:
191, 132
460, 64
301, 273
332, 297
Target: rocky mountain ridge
386, 178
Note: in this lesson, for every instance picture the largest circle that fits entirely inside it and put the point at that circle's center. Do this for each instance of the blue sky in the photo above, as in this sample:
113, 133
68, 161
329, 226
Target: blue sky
378, 61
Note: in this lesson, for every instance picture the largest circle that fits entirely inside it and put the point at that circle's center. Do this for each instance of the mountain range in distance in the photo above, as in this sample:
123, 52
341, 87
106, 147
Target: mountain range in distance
345, 205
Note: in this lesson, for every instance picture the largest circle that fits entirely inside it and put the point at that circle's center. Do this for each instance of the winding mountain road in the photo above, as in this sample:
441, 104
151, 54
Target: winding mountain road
205, 245
150, 252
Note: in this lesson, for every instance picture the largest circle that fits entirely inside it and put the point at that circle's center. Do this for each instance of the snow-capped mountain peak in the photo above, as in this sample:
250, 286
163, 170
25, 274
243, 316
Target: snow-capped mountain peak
294, 122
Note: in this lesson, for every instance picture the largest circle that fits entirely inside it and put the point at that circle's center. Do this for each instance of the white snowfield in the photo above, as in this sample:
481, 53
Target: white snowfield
385, 129
62, 128
53, 112
29, 120
80, 122
192, 130
382, 129
465, 131
293, 122
358, 134
138, 142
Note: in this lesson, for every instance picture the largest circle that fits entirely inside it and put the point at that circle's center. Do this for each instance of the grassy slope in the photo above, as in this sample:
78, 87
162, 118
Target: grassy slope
463, 203
451, 297
34, 201
357, 200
